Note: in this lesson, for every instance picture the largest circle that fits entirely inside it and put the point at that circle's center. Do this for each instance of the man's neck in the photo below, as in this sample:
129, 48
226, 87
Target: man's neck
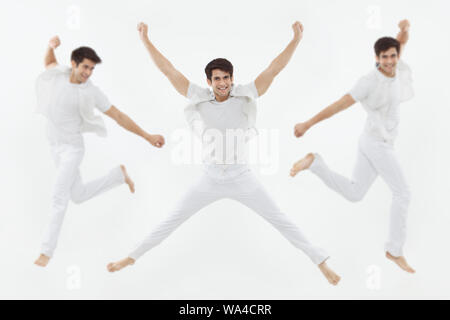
73, 79
221, 99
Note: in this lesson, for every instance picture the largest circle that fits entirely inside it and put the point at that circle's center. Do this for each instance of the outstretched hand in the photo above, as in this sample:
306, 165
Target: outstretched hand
156, 140
54, 42
143, 30
298, 30
300, 129
404, 25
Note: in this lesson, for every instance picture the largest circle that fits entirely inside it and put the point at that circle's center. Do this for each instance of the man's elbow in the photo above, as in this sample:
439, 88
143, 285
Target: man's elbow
118, 117
346, 102
121, 118
114, 114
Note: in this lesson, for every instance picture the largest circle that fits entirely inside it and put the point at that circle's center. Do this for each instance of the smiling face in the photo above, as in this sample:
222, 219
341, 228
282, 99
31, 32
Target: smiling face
220, 83
387, 61
82, 71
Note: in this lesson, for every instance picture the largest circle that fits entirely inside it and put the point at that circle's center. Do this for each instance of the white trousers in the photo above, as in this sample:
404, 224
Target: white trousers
375, 157
235, 183
69, 186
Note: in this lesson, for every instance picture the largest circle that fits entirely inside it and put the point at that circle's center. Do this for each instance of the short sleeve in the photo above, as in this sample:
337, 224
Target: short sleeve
53, 73
248, 90
45, 86
361, 89
406, 80
402, 65
61, 68
404, 72
102, 102
196, 92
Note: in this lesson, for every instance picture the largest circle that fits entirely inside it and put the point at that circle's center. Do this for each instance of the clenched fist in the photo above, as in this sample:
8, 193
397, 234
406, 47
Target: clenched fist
54, 42
156, 140
298, 30
300, 129
404, 25
143, 30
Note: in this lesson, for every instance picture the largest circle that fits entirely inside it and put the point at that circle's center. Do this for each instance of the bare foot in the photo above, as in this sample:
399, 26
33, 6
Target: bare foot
331, 276
128, 180
401, 262
119, 265
42, 261
302, 164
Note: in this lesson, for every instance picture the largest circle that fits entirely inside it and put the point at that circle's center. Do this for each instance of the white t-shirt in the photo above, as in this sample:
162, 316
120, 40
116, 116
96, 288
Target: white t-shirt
66, 117
226, 124
381, 96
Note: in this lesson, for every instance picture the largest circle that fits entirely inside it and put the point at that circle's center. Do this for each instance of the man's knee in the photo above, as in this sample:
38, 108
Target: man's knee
76, 194
357, 192
76, 198
357, 195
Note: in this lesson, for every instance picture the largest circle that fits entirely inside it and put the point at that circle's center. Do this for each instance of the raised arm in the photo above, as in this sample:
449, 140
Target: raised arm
403, 34
340, 105
177, 79
128, 124
264, 80
50, 59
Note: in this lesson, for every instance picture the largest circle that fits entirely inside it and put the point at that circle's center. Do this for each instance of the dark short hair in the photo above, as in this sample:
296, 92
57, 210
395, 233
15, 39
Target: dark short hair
221, 64
78, 55
386, 43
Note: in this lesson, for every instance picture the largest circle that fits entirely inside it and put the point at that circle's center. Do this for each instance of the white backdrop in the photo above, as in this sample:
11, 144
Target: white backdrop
225, 251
